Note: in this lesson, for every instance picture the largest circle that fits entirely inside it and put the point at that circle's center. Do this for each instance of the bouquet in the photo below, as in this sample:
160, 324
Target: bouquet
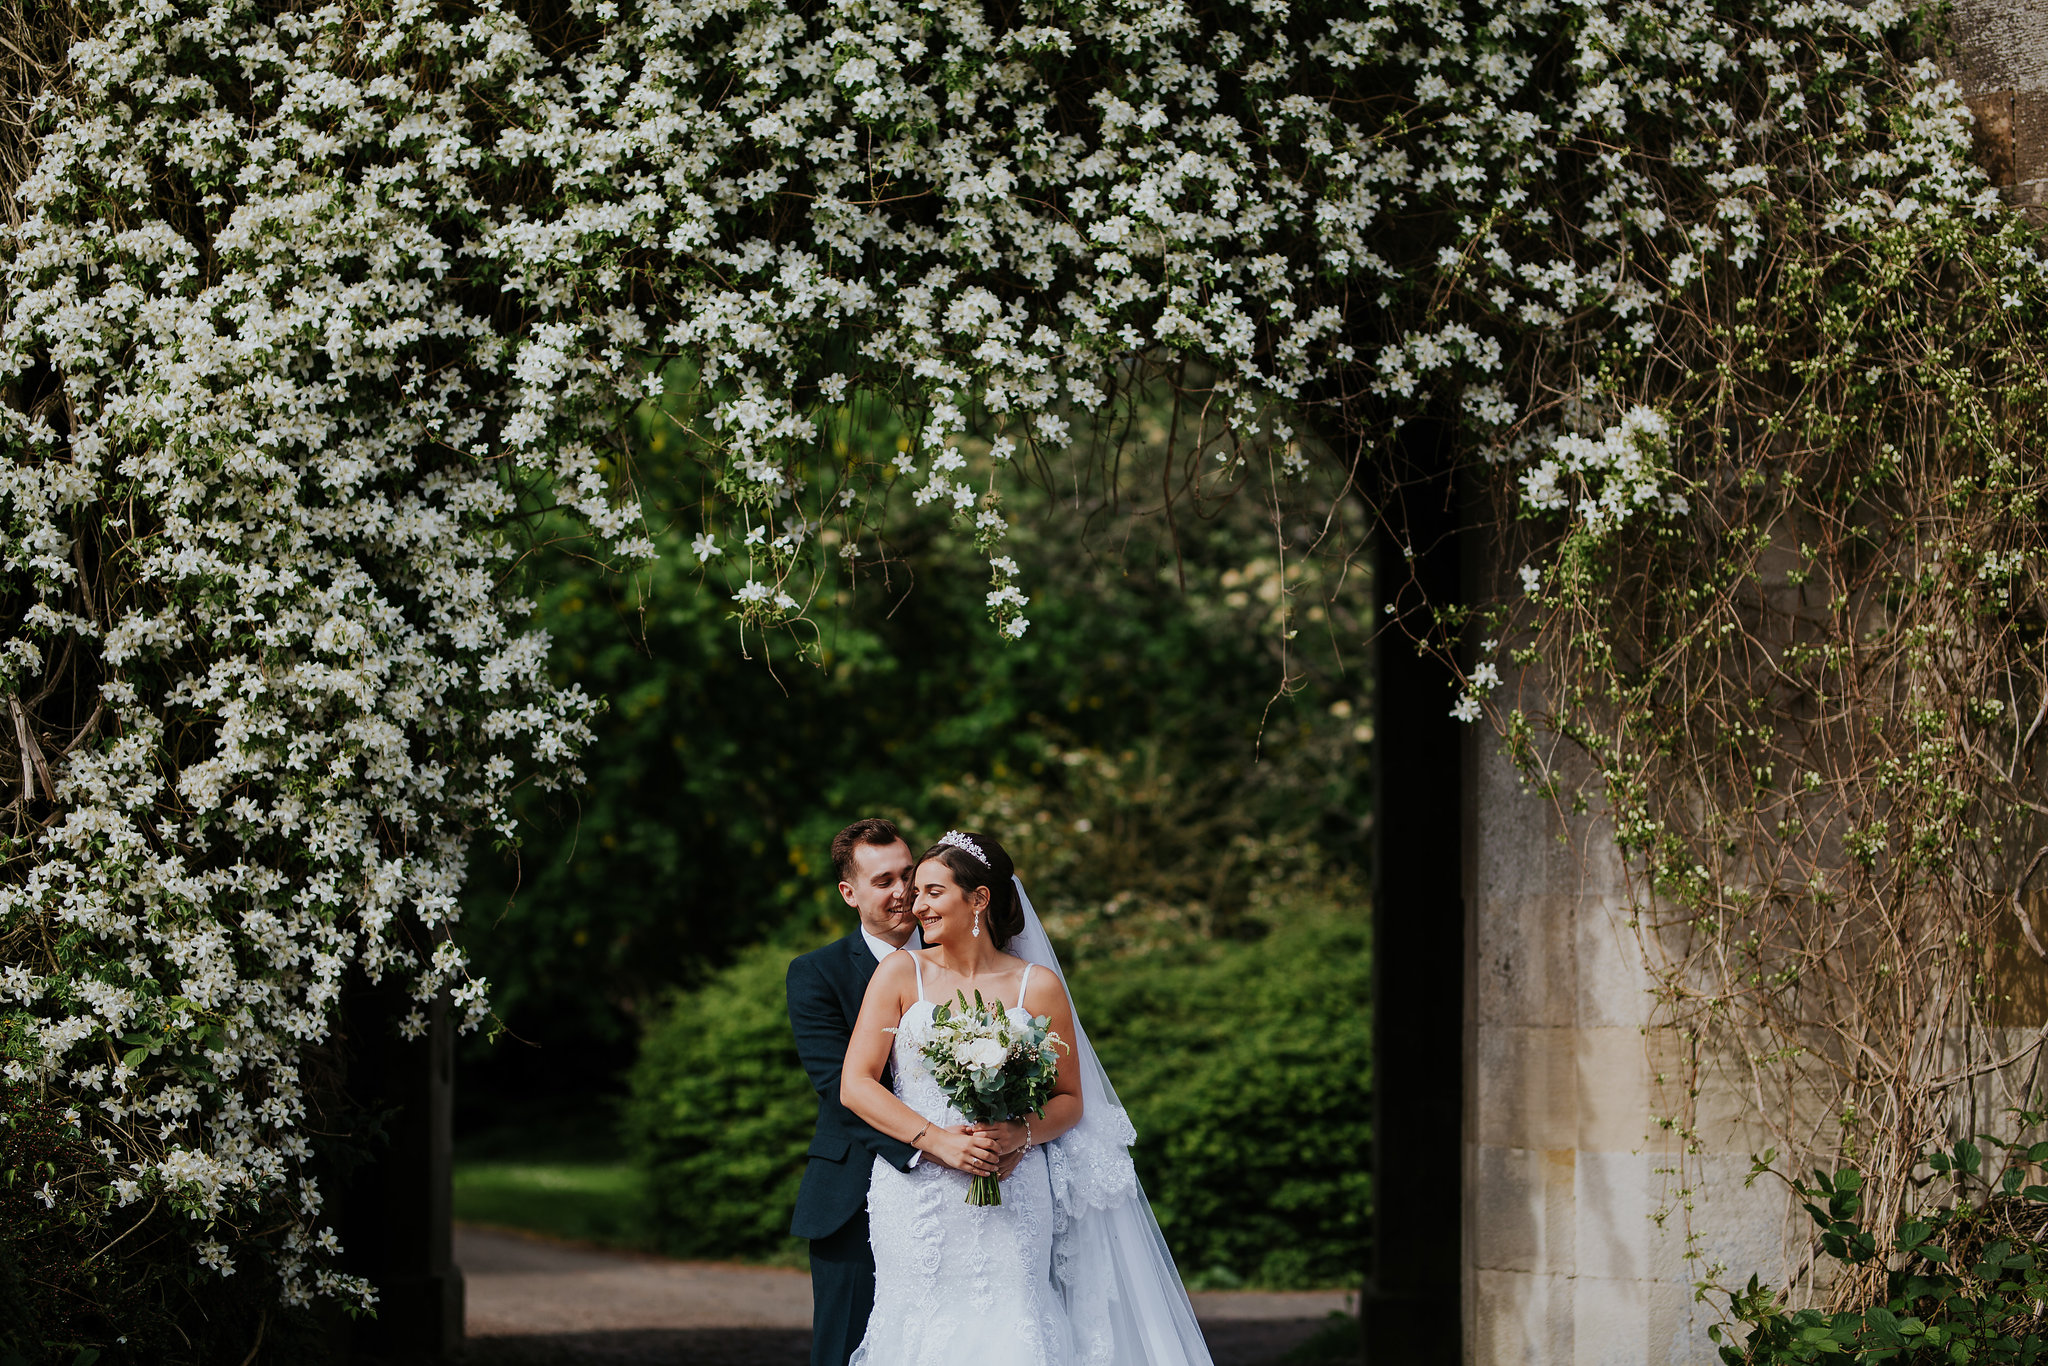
994, 1065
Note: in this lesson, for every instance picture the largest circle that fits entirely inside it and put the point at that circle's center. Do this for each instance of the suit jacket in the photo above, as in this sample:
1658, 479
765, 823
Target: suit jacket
825, 988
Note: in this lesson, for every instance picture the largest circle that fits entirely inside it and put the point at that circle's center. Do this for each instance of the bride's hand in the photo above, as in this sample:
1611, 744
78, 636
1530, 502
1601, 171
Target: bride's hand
964, 1150
1009, 1135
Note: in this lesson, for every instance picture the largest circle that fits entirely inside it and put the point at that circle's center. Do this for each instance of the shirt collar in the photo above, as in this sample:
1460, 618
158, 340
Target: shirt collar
881, 949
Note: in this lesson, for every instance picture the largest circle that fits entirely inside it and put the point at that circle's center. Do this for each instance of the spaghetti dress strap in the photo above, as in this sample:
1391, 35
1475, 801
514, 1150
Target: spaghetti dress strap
1024, 987
918, 964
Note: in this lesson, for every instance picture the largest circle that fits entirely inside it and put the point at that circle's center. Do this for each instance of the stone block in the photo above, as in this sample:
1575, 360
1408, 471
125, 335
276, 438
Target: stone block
1613, 982
1611, 1322
2001, 44
1617, 1195
1525, 961
1526, 1088
1505, 1229
1520, 1319
1615, 1106
1525, 1221
1517, 856
1740, 1226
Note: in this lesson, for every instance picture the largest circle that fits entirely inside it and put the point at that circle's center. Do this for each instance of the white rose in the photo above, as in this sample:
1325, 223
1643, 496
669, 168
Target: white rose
984, 1054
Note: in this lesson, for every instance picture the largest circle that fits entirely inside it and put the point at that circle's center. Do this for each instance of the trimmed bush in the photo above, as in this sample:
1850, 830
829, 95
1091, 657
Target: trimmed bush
1245, 1065
720, 1114
1246, 1068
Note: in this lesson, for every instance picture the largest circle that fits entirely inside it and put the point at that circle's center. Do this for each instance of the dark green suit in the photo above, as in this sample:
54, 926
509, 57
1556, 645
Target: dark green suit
825, 988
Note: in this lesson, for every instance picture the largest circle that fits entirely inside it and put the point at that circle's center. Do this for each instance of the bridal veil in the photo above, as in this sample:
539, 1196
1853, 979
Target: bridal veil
1110, 1262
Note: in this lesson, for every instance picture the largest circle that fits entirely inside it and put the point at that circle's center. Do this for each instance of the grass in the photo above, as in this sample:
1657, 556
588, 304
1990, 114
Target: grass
557, 1172
589, 1202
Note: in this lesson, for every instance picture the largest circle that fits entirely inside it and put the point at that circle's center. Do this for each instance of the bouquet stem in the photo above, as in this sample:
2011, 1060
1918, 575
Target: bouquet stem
985, 1190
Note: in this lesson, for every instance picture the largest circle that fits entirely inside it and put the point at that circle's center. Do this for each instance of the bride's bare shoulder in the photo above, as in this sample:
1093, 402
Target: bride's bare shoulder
893, 974
1044, 991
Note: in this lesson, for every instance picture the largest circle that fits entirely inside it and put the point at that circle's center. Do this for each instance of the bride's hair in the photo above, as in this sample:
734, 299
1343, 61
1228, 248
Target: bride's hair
1004, 917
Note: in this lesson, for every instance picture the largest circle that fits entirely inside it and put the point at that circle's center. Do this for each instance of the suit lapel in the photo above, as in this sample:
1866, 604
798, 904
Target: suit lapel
860, 967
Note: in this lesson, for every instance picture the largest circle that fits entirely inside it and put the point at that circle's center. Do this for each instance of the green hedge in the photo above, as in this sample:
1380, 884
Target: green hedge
720, 1113
1246, 1068
1245, 1065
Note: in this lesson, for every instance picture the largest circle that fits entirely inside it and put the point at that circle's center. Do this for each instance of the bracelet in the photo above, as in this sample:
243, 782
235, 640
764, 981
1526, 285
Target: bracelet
919, 1134
1027, 1138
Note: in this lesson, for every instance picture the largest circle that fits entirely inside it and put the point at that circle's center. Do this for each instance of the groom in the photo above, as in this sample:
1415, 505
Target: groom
825, 990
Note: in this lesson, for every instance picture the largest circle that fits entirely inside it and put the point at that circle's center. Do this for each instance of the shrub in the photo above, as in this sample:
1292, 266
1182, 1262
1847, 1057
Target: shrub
61, 1305
1965, 1281
1245, 1065
720, 1114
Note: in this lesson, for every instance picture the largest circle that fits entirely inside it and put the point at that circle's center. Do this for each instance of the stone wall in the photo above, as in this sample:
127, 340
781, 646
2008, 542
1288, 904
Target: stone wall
1579, 1216
2001, 63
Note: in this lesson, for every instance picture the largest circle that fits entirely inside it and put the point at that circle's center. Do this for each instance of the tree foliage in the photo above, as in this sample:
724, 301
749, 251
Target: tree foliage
1156, 703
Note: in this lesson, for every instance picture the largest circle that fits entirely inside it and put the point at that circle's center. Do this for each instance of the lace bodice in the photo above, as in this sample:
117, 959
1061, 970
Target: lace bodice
1088, 1171
913, 1080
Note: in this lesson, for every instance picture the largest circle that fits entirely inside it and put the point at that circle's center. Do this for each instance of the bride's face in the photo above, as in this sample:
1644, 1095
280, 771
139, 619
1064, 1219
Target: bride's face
942, 908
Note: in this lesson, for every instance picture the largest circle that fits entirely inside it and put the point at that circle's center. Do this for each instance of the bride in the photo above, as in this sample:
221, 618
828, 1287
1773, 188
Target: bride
1070, 1270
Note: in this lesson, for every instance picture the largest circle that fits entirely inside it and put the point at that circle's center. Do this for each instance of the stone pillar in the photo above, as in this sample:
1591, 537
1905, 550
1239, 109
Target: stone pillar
2002, 65
1577, 1221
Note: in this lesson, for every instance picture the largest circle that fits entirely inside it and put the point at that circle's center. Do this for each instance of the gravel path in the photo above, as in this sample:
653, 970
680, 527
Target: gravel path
534, 1302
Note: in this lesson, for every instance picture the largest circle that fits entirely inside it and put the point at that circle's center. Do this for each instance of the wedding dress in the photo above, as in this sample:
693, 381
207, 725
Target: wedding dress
1070, 1270
958, 1284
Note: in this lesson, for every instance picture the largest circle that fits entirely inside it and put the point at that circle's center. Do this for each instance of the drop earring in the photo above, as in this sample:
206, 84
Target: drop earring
977, 922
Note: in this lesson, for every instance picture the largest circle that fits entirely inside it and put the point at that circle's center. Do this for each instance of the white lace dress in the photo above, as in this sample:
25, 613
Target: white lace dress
957, 1283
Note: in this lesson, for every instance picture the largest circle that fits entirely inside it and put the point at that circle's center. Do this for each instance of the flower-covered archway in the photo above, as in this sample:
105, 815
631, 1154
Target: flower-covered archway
318, 317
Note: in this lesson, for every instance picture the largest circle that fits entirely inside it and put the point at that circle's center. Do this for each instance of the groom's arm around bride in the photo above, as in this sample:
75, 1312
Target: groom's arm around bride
825, 988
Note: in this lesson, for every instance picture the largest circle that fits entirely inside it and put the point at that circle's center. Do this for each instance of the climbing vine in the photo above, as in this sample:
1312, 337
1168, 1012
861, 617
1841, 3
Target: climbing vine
1782, 601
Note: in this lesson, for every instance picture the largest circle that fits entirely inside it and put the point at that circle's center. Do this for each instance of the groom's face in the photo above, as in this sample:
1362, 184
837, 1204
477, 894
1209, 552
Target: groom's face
878, 886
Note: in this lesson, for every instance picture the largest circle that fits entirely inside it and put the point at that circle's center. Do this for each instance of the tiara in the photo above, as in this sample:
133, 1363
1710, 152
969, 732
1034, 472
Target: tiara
960, 841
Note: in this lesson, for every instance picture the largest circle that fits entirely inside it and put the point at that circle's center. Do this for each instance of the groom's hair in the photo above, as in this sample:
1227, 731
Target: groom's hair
873, 830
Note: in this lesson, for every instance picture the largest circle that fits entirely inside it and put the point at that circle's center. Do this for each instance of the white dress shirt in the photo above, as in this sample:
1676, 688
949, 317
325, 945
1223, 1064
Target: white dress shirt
881, 948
